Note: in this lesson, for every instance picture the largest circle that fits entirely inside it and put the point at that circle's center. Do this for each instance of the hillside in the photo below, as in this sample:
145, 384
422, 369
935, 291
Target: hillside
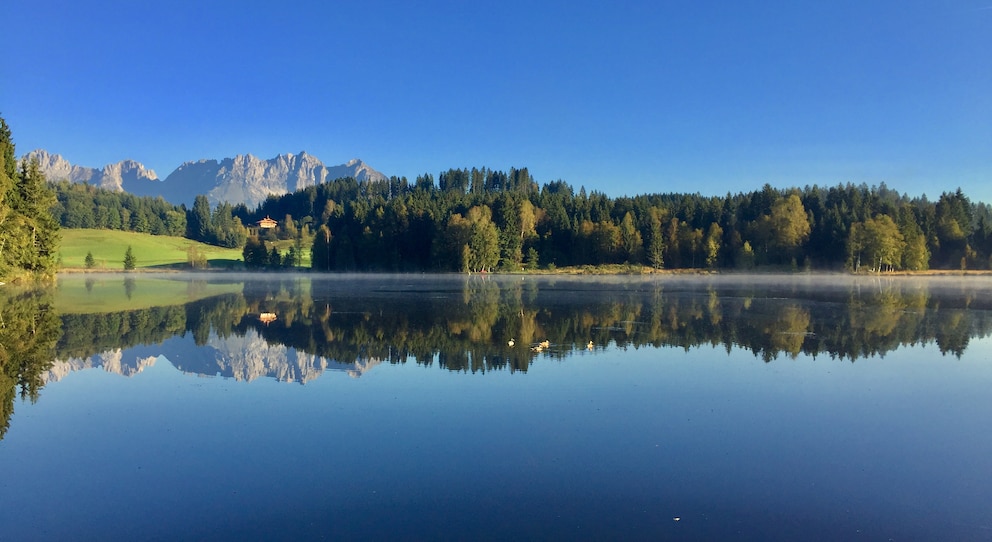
151, 251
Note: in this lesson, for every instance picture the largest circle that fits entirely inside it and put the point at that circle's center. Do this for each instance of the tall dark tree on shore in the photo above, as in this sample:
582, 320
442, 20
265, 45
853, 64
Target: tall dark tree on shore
29, 232
254, 253
198, 219
8, 172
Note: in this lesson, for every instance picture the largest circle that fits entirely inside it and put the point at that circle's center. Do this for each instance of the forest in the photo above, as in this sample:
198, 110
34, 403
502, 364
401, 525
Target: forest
80, 205
486, 220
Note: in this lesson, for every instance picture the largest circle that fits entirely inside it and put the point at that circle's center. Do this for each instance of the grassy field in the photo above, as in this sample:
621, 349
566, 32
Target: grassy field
150, 251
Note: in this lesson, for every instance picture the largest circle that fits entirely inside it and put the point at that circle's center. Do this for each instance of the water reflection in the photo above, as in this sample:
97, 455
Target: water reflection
295, 329
469, 324
29, 329
612, 443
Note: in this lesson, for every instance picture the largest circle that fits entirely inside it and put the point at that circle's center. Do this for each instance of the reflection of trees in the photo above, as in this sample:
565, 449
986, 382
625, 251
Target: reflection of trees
218, 314
89, 334
29, 329
129, 285
787, 332
468, 329
465, 323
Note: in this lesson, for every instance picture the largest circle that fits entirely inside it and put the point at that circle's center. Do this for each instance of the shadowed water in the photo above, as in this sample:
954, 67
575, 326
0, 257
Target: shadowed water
763, 408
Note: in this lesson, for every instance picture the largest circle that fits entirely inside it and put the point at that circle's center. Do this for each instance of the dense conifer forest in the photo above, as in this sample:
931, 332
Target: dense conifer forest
80, 205
481, 219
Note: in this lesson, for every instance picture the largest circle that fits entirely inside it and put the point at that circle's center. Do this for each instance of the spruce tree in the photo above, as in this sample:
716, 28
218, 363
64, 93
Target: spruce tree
41, 229
198, 220
8, 171
29, 232
129, 259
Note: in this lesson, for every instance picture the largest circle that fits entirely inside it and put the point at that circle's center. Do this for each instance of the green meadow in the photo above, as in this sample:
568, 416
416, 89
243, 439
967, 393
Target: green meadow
150, 251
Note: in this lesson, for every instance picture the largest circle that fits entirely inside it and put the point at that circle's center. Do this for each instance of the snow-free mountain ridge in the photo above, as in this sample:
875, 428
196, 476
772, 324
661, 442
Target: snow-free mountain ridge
243, 179
126, 175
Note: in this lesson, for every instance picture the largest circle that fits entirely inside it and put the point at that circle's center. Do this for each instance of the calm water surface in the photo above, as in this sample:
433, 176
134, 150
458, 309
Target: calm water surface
740, 408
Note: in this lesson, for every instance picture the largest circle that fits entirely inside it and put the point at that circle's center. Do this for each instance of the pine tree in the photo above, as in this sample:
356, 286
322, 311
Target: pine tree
630, 240
8, 171
129, 259
29, 232
275, 259
320, 252
35, 201
656, 241
198, 219
255, 254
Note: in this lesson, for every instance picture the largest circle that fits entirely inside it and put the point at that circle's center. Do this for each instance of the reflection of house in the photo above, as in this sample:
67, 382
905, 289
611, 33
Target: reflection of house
267, 317
266, 223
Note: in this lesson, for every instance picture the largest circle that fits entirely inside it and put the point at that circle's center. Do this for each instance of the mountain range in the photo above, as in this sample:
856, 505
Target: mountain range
243, 179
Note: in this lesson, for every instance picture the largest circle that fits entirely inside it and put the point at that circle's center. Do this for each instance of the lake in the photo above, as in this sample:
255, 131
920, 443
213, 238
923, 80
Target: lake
228, 407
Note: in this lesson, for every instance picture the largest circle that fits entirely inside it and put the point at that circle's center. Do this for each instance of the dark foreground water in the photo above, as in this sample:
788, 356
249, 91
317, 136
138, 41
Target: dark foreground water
747, 408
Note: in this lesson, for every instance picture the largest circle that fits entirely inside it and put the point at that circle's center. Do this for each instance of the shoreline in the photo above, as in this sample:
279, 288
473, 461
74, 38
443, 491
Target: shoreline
611, 270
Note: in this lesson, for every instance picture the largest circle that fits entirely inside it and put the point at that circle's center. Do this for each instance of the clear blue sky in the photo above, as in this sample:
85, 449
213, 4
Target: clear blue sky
624, 98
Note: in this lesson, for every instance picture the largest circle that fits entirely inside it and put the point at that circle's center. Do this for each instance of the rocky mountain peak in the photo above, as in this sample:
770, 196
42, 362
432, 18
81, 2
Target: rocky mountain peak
127, 175
245, 178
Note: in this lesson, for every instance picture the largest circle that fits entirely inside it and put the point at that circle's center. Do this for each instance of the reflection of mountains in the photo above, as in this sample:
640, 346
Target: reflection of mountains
241, 357
112, 362
465, 324
249, 356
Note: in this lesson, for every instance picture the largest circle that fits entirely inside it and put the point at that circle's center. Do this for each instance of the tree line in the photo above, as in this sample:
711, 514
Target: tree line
480, 220
81, 205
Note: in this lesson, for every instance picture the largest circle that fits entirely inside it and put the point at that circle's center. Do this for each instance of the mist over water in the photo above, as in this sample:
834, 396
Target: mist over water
769, 407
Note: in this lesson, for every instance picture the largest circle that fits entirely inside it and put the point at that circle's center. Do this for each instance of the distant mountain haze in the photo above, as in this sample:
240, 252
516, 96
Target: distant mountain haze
242, 179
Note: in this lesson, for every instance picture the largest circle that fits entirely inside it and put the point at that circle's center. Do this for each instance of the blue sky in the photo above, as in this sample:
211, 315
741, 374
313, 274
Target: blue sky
624, 98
